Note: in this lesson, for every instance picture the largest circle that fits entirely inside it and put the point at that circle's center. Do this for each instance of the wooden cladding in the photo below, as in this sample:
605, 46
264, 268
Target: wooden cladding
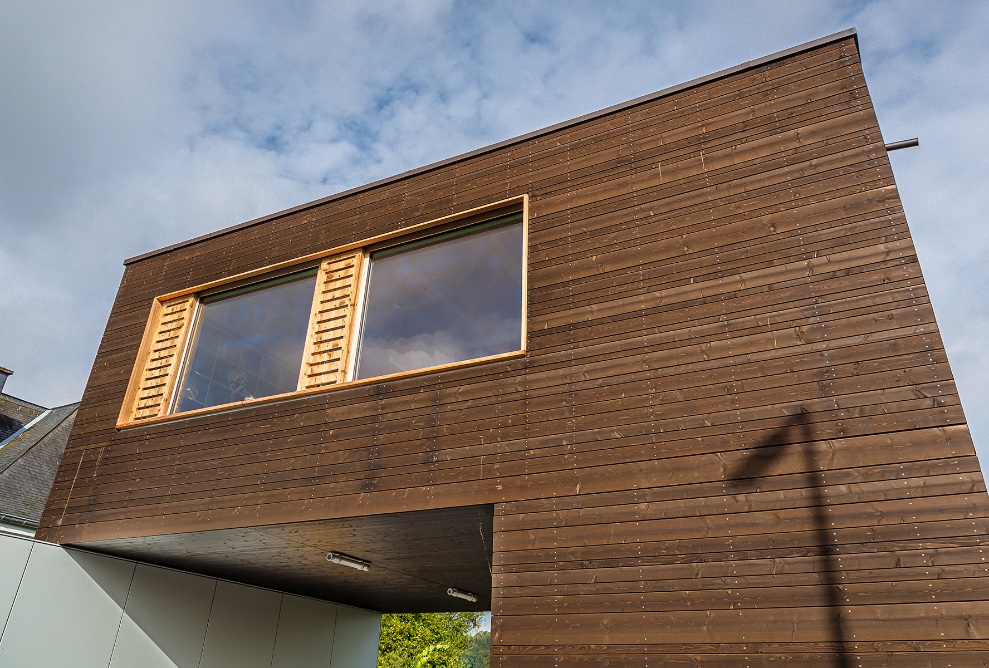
705, 270
331, 325
159, 359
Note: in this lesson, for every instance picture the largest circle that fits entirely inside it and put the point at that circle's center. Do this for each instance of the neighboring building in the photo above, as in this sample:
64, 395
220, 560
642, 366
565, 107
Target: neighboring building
32, 439
659, 384
14, 412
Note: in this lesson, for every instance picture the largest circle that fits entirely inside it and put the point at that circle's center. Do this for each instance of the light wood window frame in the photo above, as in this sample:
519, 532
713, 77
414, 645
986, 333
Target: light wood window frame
333, 329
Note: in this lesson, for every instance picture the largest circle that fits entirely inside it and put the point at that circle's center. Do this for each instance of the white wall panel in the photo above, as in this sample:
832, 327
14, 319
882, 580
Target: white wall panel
357, 638
67, 610
13, 559
305, 633
241, 631
164, 624
65, 607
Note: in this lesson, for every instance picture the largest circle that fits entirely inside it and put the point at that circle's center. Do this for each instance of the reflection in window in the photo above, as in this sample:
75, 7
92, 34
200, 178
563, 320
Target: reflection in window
453, 297
248, 343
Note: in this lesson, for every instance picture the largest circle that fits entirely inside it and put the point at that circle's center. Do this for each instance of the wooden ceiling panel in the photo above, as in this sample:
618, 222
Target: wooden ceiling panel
415, 557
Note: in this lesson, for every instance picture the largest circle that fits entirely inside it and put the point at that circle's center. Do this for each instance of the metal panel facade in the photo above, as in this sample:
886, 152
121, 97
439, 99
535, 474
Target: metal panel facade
73, 608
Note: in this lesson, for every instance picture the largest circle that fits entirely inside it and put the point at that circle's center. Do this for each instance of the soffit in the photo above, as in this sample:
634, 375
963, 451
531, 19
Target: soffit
414, 558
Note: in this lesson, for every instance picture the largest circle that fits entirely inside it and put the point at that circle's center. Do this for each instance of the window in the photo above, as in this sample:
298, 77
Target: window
452, 297
444, 299
247, 343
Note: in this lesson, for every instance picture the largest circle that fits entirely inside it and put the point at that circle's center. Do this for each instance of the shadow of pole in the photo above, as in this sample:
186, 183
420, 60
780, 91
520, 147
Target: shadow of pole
798, 432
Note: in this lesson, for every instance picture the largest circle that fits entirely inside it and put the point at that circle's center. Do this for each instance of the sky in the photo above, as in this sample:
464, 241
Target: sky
128, 126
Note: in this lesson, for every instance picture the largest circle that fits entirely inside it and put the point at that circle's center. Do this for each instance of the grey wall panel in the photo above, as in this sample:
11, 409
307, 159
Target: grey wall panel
305, 633
14, 553
356, 638
165, 620
241, 630
67, 610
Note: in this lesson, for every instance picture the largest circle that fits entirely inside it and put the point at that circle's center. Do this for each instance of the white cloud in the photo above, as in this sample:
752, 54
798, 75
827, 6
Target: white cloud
129, 126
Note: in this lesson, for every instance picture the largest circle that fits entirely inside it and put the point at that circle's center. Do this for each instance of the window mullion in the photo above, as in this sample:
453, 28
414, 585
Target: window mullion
357, 319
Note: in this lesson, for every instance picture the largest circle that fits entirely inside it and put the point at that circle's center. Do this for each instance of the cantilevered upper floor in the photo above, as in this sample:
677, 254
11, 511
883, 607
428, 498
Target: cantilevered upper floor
535, 356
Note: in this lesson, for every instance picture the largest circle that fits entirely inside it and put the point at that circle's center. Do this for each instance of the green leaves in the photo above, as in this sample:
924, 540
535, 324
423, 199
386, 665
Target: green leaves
427, 640
479, 651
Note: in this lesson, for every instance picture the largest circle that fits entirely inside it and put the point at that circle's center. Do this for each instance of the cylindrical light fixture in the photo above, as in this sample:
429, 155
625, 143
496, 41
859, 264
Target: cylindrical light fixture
345, 560
466, 595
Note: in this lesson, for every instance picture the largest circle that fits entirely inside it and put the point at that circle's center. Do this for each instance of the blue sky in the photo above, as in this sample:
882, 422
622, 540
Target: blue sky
127, 126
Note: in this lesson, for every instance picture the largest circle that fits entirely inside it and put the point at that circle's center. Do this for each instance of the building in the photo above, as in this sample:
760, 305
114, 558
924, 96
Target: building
118, 612
659, 384
32, 439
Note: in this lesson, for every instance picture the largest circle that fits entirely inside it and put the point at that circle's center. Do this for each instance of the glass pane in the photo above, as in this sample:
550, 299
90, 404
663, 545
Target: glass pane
248, 344
455, 297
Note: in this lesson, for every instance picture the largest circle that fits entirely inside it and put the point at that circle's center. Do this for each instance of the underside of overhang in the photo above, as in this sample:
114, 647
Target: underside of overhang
414, 558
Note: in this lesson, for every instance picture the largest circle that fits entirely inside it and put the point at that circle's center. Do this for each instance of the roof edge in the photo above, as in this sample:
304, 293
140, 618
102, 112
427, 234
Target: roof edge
807, 46
22, 402
43, 424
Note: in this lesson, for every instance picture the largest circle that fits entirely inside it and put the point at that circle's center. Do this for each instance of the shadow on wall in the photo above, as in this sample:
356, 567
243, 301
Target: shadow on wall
120, 614
794, 438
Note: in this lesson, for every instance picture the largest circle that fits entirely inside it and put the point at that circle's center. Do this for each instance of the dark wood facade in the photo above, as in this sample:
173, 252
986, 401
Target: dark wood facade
733, 439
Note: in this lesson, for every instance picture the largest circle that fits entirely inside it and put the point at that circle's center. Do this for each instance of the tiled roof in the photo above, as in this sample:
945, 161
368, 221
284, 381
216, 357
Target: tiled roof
15, 413
29, 458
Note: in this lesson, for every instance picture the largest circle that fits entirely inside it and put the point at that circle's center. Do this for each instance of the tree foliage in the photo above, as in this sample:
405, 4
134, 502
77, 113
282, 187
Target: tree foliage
478, 653
426, 640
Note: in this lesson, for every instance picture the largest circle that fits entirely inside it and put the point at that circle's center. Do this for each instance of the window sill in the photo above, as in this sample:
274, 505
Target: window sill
172, 417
